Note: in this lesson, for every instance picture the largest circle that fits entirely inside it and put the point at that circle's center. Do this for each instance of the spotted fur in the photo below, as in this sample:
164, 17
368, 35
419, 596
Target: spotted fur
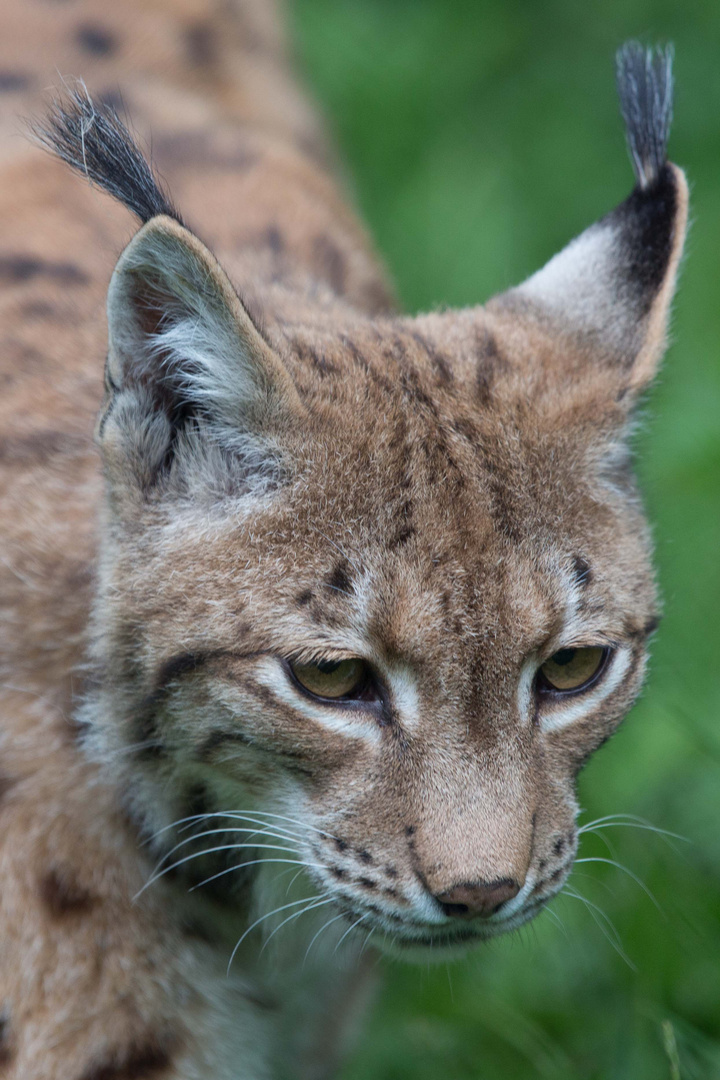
288, 470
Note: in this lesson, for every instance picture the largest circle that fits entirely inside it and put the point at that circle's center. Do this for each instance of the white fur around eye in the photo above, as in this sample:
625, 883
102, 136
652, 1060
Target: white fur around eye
559, 712
352, 722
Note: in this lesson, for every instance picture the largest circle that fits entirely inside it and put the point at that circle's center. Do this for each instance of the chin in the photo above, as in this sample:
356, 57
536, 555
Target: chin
440, 944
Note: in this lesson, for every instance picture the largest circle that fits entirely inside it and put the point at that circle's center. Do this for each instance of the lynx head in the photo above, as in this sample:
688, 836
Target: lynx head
382, 584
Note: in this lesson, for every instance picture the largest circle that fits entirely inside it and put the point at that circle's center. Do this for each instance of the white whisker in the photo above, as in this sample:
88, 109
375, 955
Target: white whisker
295, 915
253, 862
349, 929
317, 935
293, 903
636, 879
206, 851
608, 930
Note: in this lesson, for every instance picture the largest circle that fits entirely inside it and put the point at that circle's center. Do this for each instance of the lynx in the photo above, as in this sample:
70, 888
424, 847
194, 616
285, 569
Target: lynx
303, 660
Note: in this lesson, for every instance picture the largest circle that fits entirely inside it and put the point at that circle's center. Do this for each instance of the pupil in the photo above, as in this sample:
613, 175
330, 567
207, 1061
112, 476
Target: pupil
328, 666
565, 656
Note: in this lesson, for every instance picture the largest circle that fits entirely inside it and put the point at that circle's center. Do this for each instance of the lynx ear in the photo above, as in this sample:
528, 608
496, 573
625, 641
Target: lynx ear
613, 284
189, 375
185, 357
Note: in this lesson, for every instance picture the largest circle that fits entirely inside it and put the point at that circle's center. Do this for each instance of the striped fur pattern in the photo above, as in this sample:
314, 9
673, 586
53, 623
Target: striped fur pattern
289, 470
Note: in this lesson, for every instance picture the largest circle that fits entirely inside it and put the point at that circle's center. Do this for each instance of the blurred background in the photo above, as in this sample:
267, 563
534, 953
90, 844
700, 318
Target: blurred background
481, 135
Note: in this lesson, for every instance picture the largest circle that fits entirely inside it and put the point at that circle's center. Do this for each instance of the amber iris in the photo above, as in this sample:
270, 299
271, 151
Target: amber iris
572, 669
333, 679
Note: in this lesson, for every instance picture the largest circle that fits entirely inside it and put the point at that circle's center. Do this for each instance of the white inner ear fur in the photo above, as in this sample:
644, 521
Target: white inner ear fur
204, 343
581, 286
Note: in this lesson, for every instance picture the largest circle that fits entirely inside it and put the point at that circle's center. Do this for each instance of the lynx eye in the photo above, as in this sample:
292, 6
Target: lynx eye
570, 670
333, 679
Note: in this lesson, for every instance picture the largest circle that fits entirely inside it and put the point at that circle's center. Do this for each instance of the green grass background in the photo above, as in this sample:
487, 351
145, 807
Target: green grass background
480, 137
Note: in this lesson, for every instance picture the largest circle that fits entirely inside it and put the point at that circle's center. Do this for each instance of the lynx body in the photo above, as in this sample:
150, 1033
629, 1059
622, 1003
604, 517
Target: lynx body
291, 477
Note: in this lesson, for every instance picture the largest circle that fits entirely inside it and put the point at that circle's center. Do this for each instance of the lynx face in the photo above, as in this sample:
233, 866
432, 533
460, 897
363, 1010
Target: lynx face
378, 587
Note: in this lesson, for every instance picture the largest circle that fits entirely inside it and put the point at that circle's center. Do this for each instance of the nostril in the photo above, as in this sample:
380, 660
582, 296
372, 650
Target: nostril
458, 910
472, 898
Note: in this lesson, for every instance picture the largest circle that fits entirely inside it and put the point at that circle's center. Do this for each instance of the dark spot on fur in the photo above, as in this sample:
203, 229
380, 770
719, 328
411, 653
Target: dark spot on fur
177, 666
339, 578
13, 80
558, 874
389, 891
112, 99
200, 930
15, 269
439, 362
558, 846
96, 39
329, 261
41, 447
366, 857
391, 871
140, 1062
341, 845
490, 362
201, 44
6, 1048
304, 598
542, 864
582, 571
274, 240
200, 148
366, 882
6, 785
197, 802
651, 625
338, 872
63, 895
218, 738
314, 355
467, 429
409, 830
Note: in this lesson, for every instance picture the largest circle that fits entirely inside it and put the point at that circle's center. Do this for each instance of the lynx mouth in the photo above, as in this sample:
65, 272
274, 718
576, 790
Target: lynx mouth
395, 934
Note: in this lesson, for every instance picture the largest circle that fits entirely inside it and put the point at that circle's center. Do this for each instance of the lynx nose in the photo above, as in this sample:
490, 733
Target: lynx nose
470, 899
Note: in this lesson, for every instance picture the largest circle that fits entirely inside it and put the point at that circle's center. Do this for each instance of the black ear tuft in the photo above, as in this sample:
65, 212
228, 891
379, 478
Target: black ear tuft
92, 139
645, 86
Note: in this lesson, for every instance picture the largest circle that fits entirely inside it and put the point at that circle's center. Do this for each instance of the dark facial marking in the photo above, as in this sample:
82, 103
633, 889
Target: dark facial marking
62, 895
96, 39
582, 571
366, 857
391, 871
140, 1062
339, 578
651, 625
558, 846
341, 845
366, 882
15, 269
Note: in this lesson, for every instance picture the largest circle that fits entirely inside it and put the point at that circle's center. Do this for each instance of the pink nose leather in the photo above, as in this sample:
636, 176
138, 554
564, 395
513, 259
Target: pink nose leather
473, 898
